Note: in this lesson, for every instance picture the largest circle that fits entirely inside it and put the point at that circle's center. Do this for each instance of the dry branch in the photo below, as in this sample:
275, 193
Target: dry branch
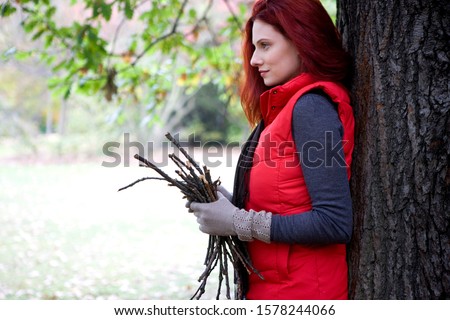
196, 185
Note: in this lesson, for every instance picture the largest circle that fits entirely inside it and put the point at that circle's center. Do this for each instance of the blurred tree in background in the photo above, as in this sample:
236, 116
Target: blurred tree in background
147, 59
122, 66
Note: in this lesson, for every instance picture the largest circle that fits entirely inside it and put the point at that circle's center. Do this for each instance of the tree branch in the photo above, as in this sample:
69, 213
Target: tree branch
203, 18
163, 37
113, 45
233, 14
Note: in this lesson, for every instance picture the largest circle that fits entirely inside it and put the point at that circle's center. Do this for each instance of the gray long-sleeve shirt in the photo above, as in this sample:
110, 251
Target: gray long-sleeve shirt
318, 133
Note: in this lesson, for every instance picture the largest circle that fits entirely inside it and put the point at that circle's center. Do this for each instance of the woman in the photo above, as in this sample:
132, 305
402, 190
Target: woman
291, 201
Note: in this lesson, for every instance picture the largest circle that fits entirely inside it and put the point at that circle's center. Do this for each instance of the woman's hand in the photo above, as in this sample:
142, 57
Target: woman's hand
215, 218
225, 192
222, 218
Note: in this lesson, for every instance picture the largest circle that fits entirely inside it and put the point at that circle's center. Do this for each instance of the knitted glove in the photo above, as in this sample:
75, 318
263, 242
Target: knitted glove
220, 189
225, 192
222, 218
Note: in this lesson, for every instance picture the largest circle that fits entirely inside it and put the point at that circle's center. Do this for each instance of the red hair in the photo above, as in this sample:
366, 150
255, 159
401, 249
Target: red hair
308, 26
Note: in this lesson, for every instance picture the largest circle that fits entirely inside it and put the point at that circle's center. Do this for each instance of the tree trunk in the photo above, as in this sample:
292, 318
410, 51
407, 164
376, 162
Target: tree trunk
401, 178
62, 121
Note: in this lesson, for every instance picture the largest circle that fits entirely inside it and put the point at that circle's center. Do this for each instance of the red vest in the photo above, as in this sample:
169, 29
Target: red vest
277, 185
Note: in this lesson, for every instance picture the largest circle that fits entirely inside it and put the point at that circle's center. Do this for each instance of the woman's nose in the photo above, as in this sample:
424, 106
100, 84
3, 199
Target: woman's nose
255, 60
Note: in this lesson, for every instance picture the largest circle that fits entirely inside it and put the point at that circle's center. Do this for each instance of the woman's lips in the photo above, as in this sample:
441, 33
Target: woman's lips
263, 72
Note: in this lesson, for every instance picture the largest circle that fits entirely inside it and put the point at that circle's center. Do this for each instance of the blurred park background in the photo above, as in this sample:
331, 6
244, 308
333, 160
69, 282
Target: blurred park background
76, 75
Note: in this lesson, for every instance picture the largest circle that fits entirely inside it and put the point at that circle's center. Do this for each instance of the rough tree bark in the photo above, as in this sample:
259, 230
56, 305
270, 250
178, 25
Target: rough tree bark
401, 178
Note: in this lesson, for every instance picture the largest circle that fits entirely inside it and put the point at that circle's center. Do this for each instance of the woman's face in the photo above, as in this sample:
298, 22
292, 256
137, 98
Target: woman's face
275, 56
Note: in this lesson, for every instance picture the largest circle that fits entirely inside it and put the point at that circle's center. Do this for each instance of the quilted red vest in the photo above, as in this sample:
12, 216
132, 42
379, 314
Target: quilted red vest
276, 184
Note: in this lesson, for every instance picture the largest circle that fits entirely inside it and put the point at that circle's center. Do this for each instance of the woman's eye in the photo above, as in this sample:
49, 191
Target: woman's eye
264, 45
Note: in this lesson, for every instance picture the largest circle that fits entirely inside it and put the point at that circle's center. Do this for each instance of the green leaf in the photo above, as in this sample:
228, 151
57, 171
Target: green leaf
38, 34
47, 58
81, 34
128, 10
22, 55
133, 45
91, 35
67, 93
50, 12
106, 11
59, 65
53, 82
193, 13
48, 40
28, 26
242, 9
6, 9
95, 9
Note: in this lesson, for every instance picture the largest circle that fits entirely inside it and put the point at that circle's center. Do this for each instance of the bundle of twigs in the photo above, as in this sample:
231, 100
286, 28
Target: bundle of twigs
196, 185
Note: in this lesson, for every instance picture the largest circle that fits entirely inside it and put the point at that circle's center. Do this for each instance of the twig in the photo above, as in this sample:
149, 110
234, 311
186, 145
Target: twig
140, 180
167, 35
235, 18
177, 144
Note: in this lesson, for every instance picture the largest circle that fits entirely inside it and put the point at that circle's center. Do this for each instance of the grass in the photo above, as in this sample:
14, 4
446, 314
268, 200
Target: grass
66, 233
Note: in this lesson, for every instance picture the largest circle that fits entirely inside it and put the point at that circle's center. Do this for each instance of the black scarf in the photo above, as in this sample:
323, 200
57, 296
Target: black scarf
240, 195
245, 162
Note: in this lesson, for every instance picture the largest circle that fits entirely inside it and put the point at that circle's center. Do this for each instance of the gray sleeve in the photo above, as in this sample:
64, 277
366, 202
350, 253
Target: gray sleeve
317, 133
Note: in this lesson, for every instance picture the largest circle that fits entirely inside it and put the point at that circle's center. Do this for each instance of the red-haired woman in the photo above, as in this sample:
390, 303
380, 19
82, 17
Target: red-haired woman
291, 199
